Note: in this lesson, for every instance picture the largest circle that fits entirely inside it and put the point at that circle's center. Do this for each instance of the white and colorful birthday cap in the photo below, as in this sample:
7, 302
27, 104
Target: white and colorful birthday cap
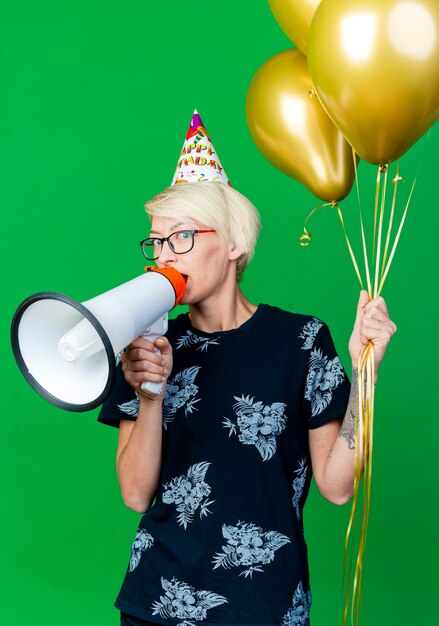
198, 160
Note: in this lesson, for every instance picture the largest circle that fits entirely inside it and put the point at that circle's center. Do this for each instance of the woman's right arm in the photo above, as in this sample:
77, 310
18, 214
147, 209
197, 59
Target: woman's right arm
139, 452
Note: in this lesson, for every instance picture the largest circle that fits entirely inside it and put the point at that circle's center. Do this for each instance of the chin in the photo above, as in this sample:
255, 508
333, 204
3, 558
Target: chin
190, 299
186, 299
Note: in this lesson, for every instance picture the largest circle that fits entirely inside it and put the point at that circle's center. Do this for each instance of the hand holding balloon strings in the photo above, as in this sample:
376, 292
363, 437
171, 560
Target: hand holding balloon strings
376, 75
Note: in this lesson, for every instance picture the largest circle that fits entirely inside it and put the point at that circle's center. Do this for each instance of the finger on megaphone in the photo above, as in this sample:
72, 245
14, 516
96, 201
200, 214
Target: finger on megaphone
136, 378
142, 354
141, 342
162, 343
152, 378
145, 366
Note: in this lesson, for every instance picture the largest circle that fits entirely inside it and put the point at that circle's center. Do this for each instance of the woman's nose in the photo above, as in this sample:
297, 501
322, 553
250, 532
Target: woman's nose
166, 253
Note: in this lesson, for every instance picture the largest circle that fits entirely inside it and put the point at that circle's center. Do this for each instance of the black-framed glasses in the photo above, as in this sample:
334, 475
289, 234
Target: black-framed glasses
180, 242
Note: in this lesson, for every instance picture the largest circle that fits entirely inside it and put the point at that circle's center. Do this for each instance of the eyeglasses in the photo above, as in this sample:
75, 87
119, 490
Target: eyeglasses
180, 242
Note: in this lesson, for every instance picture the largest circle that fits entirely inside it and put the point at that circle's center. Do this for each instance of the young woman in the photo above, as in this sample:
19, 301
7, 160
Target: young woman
255, 401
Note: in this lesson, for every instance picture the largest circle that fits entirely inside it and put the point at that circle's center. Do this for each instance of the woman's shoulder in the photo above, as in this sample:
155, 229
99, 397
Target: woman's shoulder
292, 318
302, 329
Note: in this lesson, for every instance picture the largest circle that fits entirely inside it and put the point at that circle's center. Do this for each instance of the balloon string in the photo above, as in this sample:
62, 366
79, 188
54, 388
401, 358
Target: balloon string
395, 182
363, 237
354, 261
375, 209
363, 457
395, 243
365, 376
362, 434
382, 169
364, 426
305, 239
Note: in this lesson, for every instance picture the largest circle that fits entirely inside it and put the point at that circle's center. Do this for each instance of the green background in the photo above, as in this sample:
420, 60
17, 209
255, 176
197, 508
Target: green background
96, 101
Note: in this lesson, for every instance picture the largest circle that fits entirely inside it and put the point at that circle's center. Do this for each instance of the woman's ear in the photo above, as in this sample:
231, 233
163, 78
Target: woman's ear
234, 252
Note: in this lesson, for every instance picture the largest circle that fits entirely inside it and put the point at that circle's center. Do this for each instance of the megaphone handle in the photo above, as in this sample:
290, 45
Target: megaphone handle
158, 329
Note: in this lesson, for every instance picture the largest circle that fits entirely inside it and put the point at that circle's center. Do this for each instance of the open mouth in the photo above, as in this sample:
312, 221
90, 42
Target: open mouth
185, 277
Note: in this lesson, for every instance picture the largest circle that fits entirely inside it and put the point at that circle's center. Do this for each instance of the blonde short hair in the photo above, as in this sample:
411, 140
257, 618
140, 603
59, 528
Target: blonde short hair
213, 205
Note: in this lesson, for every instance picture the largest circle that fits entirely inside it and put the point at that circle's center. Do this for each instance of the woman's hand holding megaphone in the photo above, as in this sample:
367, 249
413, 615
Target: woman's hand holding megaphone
141, 363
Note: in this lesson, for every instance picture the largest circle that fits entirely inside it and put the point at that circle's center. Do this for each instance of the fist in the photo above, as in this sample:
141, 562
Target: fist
141, 364
372, 323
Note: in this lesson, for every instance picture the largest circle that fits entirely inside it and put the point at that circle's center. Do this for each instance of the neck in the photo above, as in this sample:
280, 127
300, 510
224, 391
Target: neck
223, 311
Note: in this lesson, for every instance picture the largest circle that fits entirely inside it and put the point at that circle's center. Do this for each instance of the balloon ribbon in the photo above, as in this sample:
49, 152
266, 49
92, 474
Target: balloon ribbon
366, 379
366, 367
305, 239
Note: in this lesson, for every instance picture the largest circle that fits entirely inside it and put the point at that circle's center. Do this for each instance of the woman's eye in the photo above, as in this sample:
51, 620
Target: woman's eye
184, 234
156, 242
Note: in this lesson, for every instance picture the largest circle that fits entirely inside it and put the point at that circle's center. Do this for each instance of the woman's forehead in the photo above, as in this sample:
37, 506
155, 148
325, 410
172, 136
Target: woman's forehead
159, 224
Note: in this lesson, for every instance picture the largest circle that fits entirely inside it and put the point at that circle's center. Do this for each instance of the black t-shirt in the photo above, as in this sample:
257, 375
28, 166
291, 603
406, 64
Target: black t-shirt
224, 543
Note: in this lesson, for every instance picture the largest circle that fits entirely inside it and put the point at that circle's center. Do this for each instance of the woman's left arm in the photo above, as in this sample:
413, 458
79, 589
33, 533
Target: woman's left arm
332, 446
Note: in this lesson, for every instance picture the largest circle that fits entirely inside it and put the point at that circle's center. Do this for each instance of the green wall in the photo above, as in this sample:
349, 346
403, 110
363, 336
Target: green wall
96, 100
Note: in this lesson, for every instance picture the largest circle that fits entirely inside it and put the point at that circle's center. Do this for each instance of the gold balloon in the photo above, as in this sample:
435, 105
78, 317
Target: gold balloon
294, 17
375, 67
291, 129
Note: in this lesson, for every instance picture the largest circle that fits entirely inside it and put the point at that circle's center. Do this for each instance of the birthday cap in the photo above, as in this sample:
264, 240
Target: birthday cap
198, 160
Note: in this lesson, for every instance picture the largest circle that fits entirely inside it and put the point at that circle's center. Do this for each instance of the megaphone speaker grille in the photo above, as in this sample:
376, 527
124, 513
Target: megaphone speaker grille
37, 327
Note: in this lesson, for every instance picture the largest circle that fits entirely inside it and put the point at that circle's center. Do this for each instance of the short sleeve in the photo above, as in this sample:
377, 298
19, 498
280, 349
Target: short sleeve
327, 386
122, 403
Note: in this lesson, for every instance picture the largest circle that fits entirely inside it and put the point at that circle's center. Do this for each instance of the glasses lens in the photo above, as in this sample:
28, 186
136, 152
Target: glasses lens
151, 248
182, 241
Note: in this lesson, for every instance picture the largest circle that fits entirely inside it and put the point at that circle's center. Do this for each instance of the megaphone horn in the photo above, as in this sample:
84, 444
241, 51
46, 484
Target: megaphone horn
66, 349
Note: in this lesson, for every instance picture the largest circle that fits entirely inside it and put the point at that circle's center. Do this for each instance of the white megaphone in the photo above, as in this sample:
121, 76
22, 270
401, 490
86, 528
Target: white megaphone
66, 349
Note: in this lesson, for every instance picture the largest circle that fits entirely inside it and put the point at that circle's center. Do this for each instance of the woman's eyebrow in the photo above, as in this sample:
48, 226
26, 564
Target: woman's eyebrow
172, 227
